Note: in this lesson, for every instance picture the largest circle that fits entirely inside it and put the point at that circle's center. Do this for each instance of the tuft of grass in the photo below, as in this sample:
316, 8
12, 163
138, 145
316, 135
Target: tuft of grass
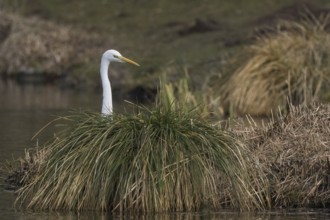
292, 63
294, 152
179, 94
20, 172
163, 159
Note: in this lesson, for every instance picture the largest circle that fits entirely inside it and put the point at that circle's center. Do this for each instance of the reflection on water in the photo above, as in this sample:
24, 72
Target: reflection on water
25, 109
225, 214
47, 97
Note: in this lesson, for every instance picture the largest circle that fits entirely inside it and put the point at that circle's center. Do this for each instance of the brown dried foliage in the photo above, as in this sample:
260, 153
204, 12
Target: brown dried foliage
31, 45
20, 172
294, 151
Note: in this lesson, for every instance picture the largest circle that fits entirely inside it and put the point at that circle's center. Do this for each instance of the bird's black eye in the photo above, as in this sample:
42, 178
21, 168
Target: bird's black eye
115, 56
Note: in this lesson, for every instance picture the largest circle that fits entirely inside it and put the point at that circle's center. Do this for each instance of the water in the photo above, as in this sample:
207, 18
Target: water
26, 109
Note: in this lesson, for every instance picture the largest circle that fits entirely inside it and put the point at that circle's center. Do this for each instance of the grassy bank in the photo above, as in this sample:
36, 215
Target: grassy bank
199, 35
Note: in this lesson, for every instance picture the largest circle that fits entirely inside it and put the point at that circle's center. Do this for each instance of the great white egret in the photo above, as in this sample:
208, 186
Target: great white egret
108, 57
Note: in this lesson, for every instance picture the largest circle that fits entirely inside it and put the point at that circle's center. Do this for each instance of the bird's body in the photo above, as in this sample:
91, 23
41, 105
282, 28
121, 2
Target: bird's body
108, 57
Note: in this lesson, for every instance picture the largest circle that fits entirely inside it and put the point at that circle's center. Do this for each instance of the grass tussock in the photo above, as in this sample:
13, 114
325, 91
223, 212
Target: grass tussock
294, 152
291, 63
160, 160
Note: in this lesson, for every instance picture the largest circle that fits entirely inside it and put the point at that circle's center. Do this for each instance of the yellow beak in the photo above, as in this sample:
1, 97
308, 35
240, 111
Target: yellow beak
128, 61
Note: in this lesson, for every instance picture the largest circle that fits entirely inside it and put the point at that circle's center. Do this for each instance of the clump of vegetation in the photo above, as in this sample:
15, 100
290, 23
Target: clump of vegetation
21, 171
294, 151
290, 63
31, 45
160, 160
179, 94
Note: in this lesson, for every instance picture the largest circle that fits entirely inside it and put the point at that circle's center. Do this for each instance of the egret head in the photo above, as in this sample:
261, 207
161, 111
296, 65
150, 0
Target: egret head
115, 56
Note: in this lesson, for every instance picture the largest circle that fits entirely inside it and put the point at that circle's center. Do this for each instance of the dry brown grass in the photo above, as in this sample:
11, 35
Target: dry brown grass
294, 151
31, 45
21, 171
291, 63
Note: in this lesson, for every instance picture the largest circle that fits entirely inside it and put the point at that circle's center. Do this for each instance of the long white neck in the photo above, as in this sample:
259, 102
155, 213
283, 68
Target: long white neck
107, 94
